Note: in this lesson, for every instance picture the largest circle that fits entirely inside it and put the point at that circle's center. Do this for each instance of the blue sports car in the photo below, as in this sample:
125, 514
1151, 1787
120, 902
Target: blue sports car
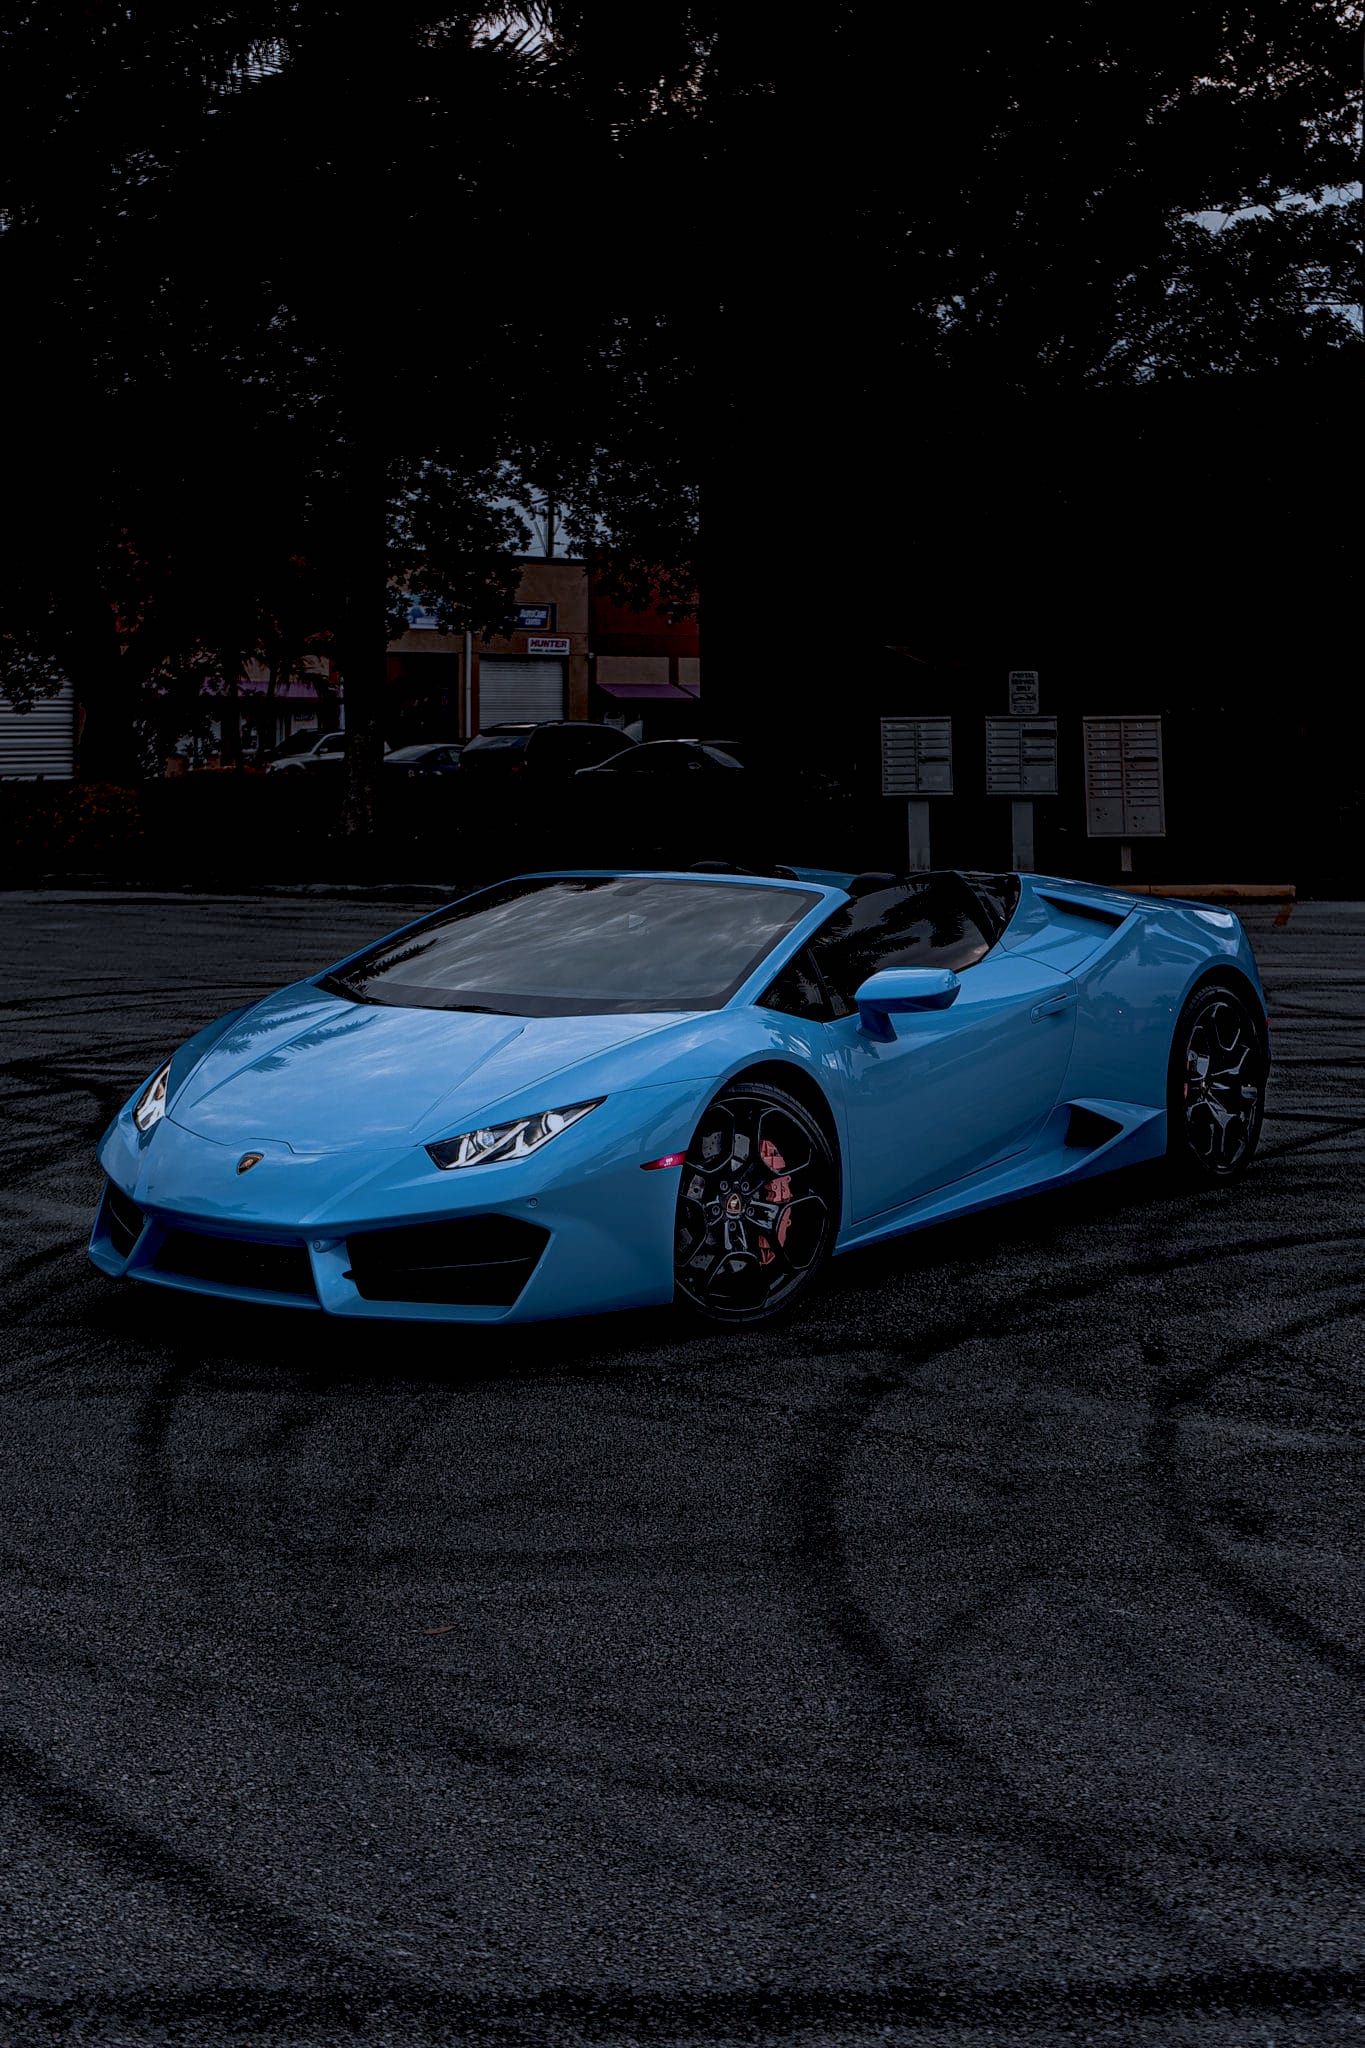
581, 1091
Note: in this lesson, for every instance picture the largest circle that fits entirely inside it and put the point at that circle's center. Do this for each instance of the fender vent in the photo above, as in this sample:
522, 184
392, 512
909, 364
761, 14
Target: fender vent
1088, 1128
1078, 906
469, 1261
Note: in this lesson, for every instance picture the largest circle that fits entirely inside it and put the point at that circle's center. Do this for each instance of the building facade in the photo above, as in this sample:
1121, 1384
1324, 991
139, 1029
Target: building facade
646, 670
448, 685
569, 652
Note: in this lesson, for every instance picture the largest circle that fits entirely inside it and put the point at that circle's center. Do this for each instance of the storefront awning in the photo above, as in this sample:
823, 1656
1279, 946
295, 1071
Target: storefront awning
669, 692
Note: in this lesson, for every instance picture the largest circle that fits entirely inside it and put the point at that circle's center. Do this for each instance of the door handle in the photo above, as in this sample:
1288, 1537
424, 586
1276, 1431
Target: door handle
1054, 1005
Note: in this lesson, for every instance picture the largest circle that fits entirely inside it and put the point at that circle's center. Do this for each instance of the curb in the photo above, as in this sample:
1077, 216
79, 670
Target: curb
96, 885
1215, 892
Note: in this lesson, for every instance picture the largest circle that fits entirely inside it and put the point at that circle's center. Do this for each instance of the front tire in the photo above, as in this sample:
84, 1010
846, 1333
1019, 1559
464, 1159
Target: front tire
1215, 1098
758, 1206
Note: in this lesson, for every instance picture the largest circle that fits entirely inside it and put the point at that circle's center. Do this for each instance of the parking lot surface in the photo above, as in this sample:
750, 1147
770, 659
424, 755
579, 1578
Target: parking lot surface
974, 1660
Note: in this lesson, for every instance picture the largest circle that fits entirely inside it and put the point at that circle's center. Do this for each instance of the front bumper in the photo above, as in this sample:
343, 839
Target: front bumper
574, 1230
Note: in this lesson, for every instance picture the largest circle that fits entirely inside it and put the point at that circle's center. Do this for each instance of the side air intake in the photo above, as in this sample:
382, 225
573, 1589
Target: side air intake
1087, 1129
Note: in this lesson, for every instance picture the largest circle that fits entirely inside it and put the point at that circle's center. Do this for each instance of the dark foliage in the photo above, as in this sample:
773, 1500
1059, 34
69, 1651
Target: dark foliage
1026, 319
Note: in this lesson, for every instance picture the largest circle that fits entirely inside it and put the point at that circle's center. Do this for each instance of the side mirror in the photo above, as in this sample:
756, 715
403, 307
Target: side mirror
897, 989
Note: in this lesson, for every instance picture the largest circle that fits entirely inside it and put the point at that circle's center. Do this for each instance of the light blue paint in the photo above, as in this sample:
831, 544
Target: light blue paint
958, 1108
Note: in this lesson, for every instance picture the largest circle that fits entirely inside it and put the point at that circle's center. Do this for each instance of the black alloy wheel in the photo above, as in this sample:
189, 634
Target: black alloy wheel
758, 1206
1216, 1090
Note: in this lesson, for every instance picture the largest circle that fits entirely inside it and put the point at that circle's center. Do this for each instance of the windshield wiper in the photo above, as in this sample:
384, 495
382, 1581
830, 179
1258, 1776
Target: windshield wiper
337, 985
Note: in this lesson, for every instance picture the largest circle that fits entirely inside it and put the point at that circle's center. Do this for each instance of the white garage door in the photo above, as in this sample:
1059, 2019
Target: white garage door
510, 691
40, 741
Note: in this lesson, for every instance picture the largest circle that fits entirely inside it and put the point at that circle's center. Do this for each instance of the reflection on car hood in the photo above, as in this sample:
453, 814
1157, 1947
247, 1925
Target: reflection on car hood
319, 1072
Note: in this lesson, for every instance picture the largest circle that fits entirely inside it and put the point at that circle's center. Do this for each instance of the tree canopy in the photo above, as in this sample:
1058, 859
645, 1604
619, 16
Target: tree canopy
302, 285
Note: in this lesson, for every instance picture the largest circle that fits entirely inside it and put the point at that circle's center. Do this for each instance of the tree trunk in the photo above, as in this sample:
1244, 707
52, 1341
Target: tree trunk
364, 640
366, 105
109, 684
230, 726
269, 735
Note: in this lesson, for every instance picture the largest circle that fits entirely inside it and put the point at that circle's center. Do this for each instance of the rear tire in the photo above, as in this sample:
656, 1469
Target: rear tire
1215, 1095
758, 1207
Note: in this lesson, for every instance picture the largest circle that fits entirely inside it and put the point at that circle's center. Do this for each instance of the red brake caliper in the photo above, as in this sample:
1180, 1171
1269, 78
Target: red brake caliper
779, 1189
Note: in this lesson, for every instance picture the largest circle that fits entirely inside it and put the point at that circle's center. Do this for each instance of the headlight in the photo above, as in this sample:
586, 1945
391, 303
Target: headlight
509, 1141
150, 1106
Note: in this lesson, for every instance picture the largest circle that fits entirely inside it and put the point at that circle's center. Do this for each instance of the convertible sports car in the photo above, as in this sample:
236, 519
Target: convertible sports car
581, 1091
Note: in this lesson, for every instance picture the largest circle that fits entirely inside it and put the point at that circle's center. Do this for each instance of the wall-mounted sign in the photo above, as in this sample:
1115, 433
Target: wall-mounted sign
1023, 693
1124, 794
534, 618
1021, 756
917, 757
547, 643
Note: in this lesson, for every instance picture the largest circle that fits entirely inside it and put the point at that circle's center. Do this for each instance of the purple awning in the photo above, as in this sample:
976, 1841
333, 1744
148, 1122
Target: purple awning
672, 691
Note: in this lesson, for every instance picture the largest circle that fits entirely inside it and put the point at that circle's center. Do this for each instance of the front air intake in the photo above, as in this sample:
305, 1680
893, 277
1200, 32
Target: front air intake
235, 1262
466, 1262
123, 1220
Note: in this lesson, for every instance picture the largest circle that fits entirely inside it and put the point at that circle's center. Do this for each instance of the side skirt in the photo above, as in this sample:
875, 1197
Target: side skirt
1079, 1139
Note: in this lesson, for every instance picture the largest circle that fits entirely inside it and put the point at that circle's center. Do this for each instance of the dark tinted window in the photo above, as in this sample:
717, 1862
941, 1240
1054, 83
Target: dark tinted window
997, 897
605, 746
798, 991
581, 946
659, 757
570, 746
402, 757
929, 921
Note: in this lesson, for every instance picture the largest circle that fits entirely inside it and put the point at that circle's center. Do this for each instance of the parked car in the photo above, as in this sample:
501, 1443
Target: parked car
554, 747
428, 757
582, 1091
328, 752
669, 761
288, 750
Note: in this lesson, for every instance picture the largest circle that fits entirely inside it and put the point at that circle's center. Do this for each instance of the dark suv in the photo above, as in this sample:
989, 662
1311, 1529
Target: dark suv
556, 747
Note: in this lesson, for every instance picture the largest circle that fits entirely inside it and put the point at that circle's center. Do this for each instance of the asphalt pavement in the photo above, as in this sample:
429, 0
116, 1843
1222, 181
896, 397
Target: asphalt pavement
974, 1661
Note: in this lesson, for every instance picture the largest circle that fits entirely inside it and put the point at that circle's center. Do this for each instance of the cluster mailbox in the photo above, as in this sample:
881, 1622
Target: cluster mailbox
1124, 796
917, 757
1124, 790
1021, 757
917, 762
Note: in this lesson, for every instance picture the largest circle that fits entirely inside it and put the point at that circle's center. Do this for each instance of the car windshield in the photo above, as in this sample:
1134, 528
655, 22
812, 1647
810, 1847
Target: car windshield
486, 742
580, 946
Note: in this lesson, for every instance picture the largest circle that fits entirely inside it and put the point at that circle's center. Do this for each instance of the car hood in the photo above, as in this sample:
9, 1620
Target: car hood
320, 1073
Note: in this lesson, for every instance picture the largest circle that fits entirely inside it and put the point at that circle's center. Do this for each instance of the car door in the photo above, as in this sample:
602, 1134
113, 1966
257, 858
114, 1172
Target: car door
955, 1090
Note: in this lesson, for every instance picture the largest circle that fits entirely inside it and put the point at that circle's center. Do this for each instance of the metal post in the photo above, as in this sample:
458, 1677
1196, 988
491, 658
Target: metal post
917, 819
1021, 833
469, 686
